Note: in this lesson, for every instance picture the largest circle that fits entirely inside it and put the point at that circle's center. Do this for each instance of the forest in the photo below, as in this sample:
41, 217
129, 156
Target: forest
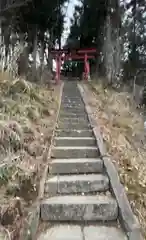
115, 28
29, 99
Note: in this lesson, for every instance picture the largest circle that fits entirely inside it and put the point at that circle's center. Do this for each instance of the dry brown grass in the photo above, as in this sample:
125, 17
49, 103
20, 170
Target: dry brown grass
27, 114
123, 131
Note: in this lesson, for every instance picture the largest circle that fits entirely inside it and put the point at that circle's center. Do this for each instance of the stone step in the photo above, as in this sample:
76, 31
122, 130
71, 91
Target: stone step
73, 115
75, 152
76, 104
75, 141
76, 107
79, 208
74, 120
77, 120
71, 97
74, 133
86, 232
73, 110
81, 165
71, 94
72, 125
72, 102
69, 106
104, 233
69, 184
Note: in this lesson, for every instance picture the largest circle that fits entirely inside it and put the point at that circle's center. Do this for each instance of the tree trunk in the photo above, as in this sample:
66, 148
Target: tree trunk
108, 51
23, 63
34, 55
42, 50
112, 46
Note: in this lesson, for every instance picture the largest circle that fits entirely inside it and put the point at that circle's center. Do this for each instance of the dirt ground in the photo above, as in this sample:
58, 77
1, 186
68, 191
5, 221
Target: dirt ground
27, 116
123, 131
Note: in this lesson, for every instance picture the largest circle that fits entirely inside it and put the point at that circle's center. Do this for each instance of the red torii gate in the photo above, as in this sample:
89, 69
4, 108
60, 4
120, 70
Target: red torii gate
77, 54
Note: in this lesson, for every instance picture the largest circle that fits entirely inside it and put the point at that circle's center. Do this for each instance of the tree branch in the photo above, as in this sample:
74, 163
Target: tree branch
13, 6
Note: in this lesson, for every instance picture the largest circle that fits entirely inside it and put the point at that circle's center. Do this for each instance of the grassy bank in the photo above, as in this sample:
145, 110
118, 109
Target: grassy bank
123, 132
27, 115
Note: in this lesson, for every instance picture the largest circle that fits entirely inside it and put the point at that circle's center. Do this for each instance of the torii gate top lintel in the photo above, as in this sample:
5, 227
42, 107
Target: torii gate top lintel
74, 51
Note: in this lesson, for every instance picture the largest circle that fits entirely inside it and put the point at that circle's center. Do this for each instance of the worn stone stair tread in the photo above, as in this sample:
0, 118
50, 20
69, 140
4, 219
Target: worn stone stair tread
74, 147
103, 233
74, 138
69, 118
74, 132
69, 184
75, 141
77, 232
72, 102
72, 115
81, 113
79, 208
74, 106
74, 165
75, 152
72, 111
74, 126
74, 120
71, 99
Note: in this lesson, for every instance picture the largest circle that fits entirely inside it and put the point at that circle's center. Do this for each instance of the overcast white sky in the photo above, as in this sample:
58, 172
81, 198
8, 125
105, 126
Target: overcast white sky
69, 14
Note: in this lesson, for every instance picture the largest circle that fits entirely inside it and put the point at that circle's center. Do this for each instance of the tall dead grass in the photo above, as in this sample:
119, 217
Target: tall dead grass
123, 131
27, 113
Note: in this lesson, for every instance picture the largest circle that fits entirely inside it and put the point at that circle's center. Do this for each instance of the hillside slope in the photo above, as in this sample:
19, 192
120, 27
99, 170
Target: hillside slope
123, 131
27, 115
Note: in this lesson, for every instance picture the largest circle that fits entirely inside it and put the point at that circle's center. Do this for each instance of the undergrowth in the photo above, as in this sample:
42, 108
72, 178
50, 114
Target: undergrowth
123, 131
27, 113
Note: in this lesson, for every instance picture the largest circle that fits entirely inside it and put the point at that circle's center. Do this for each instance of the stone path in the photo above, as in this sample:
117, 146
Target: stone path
79, 204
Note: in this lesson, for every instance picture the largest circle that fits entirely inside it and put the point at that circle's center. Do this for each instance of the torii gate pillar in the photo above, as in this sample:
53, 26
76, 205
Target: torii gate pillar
86, 62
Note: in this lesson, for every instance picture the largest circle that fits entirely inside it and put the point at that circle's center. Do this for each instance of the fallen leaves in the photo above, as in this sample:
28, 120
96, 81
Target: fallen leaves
27, 113
122, 129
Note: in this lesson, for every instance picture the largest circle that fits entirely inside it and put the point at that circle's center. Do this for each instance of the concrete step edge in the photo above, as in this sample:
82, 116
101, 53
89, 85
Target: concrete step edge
83, 183
74, 130
79, 208
74, 138
76, 166
83, 160
74, 148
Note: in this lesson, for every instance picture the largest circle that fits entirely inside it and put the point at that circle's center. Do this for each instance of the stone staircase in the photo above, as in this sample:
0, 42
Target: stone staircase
79, 204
